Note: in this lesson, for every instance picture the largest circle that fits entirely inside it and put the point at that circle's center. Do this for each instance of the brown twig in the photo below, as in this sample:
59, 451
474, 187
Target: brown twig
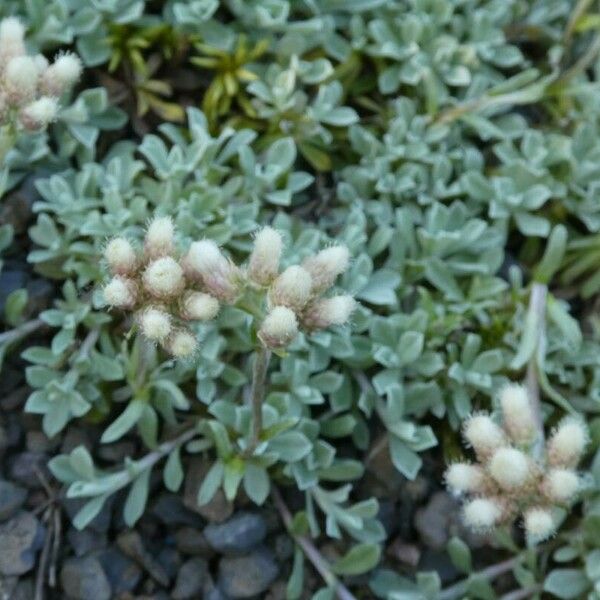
310, 551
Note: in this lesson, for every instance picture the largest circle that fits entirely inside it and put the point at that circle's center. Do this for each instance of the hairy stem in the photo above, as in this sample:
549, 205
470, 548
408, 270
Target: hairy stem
459, 589
257, 394
537, 307
310, 551
522, 593
27, 328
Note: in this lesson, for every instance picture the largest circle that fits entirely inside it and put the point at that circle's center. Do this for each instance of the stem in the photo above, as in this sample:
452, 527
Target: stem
257, 394
310, 551
537, 307
490, 573
165, 448
14, 335
523, 593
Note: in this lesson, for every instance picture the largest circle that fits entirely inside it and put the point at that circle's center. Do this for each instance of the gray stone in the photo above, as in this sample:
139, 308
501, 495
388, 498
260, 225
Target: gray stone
190, 540
122, 573
85, 541
169, 508
26, 467
248, 576
238, 535
131, 544
84, 579
219, 508
12, 498
20, 540
190, 579
433, 520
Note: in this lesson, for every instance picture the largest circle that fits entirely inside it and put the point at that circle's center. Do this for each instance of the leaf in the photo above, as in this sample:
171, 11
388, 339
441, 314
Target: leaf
290, 446
14, 306
567, 583
358, 560
211, 483
295, 583
124, 422
173, 471
137, 498
89, 511
460, 555
256, 483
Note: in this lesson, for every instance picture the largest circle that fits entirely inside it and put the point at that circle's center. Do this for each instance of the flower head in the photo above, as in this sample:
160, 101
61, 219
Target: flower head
12, 35
560, 485
539, 523
155, 324
199, 306
483, 434
39, 113
159, 237
292, 288
163, 278
120, 292
509, 468
567, 443
62, 74
279, 328
182, 343
20, 79
264, 260
465, 478
482, 513
518, 415
120, 256
325, 267
326, 312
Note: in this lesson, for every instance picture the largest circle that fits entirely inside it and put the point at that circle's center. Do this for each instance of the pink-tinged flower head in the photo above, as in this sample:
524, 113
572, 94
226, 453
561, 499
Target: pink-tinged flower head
325, 267
279, 328
263, 265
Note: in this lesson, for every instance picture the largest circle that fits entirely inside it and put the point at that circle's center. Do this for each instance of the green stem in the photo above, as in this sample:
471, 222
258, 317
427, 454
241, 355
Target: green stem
257, 394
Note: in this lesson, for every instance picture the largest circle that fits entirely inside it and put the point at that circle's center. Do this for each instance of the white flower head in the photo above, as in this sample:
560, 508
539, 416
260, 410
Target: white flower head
263, 265
120, 256
279, 327
292, 288
155, 324
62, 74
482, 514
539, 523
199, 306
518, 415
464, 478
325, 267
164, 278
510, 468
182, 344
159, 237
327, 312
566, 445
20, 79
39, 113
220, 276
483, 434
120, 292
561, 485
12, 34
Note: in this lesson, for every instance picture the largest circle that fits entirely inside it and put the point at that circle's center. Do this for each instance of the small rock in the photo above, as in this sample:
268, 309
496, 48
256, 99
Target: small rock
23, 591
12, 497
40, 293
10, 280
84, 579
405, 553
440, 563
238, 535
190, 579
26, 467
433, 521
169, 508
4, 441
131, 544
192, 541
212, 591
283, 547
219, 508
248, 576
122, 573
85, 541
20, 540
38, 441
75, 436
170, 560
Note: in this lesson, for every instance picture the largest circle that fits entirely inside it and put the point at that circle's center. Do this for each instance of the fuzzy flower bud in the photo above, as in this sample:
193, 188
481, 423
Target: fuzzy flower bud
159, 237
12, 34
221, 277
39, 113
61, 75
41, 62
20, 79
155, 324
539, 523
519, 421
567, 443
325, 266
329, 311
482, 513
181, 344
509, 468
483, 434
264, 260
120, 292
164, 278
279, 328
199, 306
465, 478
560, 485
292, 288
120, 256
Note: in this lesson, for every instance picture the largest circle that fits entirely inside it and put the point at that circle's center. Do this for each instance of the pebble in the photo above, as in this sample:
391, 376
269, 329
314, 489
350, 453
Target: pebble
131, 544
248, 576
26, 467
190, 579
85, 541
85, 579
169, 508
123, 574
20, 540
12, 497
190, 540
238, 535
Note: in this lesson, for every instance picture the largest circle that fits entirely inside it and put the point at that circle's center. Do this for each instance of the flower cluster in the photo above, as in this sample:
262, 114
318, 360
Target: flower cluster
507, 481
166, 291
30, 87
